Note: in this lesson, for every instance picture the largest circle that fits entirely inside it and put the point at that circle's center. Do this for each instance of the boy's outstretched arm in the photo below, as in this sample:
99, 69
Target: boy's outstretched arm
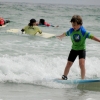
96, 39
61, 36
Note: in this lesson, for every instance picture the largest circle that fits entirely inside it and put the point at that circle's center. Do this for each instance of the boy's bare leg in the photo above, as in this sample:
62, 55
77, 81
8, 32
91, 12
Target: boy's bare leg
67, 68
82, 67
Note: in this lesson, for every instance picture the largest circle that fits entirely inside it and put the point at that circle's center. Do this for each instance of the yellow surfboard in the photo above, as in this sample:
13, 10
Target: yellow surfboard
44, 35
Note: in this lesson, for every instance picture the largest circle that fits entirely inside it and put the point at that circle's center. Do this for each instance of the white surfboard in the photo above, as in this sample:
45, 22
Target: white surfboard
14, 30
3, 26
44, 35
76, 81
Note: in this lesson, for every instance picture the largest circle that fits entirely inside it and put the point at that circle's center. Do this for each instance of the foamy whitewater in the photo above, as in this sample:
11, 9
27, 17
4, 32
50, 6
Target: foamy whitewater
35, 61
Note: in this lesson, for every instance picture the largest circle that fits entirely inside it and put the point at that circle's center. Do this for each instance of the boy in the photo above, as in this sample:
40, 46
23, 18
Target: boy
78, 36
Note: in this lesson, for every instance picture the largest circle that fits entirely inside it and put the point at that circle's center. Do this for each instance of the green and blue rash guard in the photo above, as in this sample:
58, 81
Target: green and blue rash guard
78, 38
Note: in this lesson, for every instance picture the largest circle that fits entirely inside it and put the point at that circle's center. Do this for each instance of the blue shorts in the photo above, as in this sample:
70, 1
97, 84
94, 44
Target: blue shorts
74, 53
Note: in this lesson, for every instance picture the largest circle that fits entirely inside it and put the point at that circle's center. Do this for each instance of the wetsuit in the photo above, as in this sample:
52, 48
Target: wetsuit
78, 39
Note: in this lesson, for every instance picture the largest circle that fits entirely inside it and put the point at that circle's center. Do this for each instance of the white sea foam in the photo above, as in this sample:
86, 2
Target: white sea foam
36, 69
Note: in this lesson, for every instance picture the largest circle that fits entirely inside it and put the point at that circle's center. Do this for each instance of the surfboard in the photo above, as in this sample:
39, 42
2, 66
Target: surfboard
44, 35
92, 86
76, 81
14, 30
3, 26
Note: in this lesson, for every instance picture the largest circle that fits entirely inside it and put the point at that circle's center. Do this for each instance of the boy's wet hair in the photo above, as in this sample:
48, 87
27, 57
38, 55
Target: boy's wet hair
77, 19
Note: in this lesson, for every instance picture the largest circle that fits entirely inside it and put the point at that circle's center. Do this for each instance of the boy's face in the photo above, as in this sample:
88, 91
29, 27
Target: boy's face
75, 26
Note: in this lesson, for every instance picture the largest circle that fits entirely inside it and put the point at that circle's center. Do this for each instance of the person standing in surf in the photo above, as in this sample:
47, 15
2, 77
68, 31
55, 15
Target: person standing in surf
31, 28
78, 36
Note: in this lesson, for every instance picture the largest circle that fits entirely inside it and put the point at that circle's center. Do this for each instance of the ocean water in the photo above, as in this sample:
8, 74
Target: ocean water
28, 62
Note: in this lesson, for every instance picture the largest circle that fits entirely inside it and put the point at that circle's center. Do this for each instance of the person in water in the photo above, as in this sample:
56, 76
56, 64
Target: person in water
78, 36
43, 22
31, 28
3, 22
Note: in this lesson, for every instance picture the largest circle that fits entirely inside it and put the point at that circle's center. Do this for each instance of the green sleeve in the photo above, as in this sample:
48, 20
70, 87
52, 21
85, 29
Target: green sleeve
65, 33
89, 35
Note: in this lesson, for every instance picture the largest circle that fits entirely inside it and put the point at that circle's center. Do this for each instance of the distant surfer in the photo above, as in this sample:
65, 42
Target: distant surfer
31, 28
42, 22
78, 36
3, 22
